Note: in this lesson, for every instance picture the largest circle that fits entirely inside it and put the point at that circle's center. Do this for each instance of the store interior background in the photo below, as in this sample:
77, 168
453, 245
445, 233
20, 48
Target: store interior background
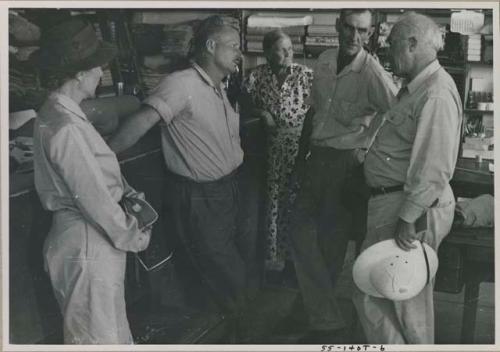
152, 43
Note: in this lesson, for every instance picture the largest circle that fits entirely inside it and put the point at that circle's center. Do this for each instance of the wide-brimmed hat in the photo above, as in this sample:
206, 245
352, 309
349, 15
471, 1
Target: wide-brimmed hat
386, 271
72, 46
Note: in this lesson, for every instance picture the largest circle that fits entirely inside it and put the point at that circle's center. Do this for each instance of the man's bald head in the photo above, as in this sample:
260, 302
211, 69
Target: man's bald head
414, 43
423, 29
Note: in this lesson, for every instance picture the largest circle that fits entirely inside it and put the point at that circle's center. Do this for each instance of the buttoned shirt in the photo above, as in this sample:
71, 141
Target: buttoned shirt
75, 170
418, 144
345, 103
200, 129
286, 103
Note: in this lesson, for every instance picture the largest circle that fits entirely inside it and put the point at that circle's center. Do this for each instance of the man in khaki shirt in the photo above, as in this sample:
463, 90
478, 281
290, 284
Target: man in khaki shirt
349, 87
408, 168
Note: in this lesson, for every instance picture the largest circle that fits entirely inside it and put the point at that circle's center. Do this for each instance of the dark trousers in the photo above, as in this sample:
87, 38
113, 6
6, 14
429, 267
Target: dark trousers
203, 219
330, 201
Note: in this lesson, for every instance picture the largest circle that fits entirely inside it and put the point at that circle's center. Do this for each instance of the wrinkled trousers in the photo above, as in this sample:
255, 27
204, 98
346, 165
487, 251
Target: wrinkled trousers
87, 275
203, 219
410, 321
327, 213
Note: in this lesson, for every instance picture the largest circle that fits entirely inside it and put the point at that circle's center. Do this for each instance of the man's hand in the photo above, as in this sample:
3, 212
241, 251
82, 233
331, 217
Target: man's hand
359, 155
405, 234
364, 121
147, 230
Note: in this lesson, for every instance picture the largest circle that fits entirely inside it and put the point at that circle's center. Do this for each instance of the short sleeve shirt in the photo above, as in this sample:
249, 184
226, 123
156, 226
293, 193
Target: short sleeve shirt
200, 129
286, 103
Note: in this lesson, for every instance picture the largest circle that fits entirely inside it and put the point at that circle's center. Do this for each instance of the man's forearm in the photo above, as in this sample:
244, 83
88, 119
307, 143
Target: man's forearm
132, 129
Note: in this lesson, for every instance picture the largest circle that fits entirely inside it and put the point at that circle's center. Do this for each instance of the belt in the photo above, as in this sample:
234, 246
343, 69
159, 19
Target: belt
385, 190
328, 151
184, 179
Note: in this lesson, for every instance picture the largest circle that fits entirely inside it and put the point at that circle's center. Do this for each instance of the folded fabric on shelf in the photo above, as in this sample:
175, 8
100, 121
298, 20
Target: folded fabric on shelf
170, 16
477, 212
323, 30
317, 40
259, 37
22, 30
177, 39
256, 47
272, 20
325, 19
294, 30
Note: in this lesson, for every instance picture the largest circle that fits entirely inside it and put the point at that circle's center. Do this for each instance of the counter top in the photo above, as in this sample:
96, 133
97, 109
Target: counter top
470, 171
467, 170
21, 183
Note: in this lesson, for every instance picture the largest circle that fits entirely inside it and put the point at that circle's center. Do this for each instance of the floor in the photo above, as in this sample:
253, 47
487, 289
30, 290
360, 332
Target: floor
276, 316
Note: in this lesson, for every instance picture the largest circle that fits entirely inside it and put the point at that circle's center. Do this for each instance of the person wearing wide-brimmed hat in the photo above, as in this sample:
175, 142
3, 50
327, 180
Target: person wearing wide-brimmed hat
78, 178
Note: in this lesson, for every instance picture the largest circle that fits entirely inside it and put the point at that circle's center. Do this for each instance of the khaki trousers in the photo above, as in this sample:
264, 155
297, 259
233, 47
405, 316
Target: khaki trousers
410, 321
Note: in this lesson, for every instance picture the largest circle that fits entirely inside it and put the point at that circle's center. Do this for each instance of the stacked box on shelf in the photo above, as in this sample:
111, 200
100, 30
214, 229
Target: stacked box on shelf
171, 16
260, 24
148, 39
255, 35
474, 47
162, 40
320, 38
106, 87
321, 34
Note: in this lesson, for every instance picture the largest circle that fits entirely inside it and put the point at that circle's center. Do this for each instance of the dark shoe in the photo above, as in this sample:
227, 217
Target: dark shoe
332, 337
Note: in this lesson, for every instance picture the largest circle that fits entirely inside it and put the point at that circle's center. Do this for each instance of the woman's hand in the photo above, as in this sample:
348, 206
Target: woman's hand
267, 118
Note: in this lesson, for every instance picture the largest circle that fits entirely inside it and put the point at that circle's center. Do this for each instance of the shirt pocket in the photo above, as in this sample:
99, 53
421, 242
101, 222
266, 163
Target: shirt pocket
344, 110
404, 124
396, 118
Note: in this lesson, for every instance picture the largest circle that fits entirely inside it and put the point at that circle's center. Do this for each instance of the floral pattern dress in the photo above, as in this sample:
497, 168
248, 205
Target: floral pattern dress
288, 104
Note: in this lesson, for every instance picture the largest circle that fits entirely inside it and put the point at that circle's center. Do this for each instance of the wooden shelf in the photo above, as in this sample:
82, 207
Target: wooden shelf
480, 63
477, 111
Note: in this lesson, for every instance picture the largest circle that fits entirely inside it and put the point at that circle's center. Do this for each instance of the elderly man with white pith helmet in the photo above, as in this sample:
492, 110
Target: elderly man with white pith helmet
78, 178
408, 169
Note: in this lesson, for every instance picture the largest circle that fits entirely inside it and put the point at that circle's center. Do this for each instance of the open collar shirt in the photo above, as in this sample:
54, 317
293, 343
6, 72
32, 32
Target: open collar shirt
200, 129
345, 103
418, 144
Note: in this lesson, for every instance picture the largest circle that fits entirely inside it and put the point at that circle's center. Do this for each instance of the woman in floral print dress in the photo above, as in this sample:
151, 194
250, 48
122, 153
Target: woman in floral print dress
279, 90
